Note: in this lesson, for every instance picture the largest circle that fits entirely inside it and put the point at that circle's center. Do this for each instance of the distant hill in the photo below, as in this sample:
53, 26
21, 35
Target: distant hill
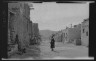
46, 33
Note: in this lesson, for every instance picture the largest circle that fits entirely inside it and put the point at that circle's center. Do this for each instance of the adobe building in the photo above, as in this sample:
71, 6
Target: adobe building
71, 34
19, 23
18, 20
85, 32
13, 20
10, 26
35, 32
65, 37
13, 9
35, 29
75, 34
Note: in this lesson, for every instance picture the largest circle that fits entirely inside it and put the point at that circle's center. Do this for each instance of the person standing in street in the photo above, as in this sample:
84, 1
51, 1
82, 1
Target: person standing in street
52, 43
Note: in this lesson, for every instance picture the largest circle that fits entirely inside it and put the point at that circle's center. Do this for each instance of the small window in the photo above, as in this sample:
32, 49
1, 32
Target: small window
86, 33
83, 30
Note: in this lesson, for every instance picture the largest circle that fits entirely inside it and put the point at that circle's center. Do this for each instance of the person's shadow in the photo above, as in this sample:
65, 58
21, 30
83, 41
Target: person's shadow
56, 51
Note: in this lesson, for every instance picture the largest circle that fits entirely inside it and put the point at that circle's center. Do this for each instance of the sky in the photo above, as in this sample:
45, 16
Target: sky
56, 16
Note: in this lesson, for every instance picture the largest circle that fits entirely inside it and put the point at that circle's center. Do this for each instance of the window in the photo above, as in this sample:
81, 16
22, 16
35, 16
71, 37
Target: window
83, 30
86, 33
